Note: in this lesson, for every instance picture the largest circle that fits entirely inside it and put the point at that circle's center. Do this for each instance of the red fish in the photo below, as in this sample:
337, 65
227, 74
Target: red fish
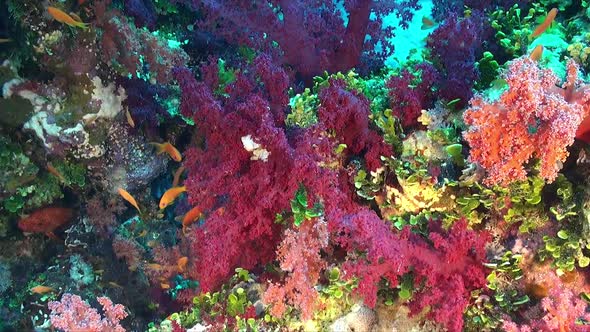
583, 132
46, 220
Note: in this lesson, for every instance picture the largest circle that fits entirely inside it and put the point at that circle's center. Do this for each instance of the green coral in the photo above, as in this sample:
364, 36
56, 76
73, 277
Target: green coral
486, 312
488, 70
25, 187
566, 250
513, 28
303, 109
525, 204
391, 127
301, 210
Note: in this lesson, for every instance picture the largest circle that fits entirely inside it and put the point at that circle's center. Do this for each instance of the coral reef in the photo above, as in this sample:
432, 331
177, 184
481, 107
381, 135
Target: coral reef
214, 165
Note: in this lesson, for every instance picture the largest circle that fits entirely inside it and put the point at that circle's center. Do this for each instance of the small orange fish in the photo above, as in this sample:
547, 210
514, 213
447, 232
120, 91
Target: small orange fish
55, 173
154, 266
177, 176
127, 196
181, 263
170, 195
427, 23
164, 285
41, 289
221, 211
190, 217
537, 53
546, 23
129, 119
62, 17
169, 149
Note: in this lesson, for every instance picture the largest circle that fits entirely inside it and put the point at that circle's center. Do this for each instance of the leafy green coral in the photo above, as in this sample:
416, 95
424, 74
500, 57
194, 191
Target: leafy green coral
486, 312
25, 187
301, 210
488, 70
566, 250
513, 28
303, 109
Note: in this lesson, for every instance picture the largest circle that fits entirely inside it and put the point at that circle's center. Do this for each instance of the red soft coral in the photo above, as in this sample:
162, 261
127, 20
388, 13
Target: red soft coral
534, 118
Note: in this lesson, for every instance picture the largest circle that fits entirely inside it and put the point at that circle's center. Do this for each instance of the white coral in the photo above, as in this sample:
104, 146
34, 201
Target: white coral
111, 103
258, 153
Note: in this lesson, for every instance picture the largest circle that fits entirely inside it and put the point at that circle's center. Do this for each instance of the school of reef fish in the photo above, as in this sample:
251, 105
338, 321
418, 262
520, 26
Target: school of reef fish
294, 165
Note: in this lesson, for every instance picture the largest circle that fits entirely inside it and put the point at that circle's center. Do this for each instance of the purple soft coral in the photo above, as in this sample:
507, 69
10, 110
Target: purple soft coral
311, 35
454, 46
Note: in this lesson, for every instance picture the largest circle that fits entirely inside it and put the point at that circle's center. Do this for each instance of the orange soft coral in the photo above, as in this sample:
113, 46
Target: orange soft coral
534, 118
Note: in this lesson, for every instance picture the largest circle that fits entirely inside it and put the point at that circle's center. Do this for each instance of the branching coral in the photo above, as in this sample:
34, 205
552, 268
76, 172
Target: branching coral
410, 92
455, 45
128, 49
534, 118
73, 314
300, 254
311, 36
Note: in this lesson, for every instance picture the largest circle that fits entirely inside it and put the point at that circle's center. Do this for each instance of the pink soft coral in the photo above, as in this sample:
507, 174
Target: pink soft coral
558, 311
300, 254
73, 314
534, 118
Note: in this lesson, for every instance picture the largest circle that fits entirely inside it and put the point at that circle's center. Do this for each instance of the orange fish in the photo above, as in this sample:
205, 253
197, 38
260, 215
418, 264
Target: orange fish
177, 176
62, 17
164, 285
221, 211
181, 263
170, 195
537, 53
55, 173
154, 266
46, 220
190, 217
127, 196
427, 23
129, 119
169, 149
546, 23
41, 289
114, 284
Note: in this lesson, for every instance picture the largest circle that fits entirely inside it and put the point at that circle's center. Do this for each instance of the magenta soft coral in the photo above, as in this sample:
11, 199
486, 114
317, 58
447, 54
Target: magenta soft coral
223, 174
444, 273
72, 314
411, 92
347, 113
534, 118
241, 195
311, 35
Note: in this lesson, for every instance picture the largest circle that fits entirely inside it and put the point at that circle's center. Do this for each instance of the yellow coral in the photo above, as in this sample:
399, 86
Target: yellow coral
418, 196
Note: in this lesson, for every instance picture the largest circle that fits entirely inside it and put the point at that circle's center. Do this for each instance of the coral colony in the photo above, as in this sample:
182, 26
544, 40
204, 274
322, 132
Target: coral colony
258, 165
